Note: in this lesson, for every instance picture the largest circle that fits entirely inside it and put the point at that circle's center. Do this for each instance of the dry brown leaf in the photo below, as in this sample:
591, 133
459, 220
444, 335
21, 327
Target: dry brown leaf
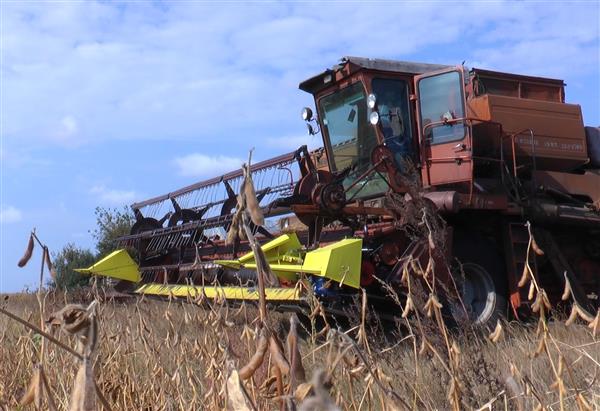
536, 248
297, 373
497, 334
303, 391
277, 355
34, 389
256, 214
584, 405
524, 276
408, 307
424, 347
531, 292
595, 324
235, 229
572, 316
541, 302
541, 347
72, 319
567, 291
321, 399
432, 305
48, 262
83, 396
430, 240
237, 399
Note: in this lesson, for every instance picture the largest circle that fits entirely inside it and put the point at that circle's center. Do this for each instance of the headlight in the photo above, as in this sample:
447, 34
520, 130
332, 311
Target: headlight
307, 114
371, 101
374, 118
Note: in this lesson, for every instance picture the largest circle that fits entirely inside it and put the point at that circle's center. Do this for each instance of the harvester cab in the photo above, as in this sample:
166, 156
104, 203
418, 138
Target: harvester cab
469, 132
367, 116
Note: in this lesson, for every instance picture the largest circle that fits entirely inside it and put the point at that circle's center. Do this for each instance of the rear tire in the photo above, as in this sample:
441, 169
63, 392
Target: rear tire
480, 278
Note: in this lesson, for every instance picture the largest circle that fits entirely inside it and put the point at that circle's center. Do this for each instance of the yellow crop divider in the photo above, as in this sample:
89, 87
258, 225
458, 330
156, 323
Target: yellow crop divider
340, 261
117, 264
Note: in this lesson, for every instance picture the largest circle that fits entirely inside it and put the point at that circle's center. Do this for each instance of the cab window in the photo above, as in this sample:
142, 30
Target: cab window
351, 138
441, 101
394, 114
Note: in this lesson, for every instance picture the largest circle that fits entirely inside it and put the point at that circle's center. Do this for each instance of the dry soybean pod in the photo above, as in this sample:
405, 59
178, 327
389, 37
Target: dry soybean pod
28, 252
249, 369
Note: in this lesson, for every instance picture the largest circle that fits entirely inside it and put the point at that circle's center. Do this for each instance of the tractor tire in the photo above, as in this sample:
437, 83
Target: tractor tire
480, 276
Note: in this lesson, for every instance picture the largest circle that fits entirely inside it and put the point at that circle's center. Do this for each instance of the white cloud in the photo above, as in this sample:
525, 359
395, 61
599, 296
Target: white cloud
69, 126
201, 165
17, 157
89, 71
113, 197
10, 214
544, 57
67, 131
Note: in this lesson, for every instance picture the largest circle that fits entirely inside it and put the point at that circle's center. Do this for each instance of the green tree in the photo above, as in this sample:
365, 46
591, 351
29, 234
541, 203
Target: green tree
69, 258
111, 223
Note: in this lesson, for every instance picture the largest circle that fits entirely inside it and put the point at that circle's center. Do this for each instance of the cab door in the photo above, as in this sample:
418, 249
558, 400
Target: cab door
444, 137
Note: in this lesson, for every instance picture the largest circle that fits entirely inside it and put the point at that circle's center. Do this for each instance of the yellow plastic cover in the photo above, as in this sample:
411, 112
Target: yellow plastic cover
340, 261
276, 247
117, 264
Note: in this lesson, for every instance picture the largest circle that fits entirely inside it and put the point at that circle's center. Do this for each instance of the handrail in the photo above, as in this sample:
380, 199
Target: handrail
467, 120
533, 156
443, 123
513, 136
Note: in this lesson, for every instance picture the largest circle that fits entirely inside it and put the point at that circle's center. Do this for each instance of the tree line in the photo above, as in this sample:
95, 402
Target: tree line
111, 223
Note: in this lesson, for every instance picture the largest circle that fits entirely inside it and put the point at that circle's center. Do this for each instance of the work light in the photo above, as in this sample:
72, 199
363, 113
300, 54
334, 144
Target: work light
307, 114
374, 118
371, 101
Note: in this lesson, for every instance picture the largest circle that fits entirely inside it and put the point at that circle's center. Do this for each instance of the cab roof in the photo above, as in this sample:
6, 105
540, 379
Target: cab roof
316, 83
352, 64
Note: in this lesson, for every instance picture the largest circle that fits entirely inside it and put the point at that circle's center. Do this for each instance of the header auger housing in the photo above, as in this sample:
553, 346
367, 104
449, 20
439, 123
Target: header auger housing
417, 160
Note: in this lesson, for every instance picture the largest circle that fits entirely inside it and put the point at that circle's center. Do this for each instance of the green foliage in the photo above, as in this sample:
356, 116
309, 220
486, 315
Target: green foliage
69, 258
111, 224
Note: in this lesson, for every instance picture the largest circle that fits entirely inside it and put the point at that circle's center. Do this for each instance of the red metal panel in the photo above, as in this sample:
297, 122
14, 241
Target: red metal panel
559, 136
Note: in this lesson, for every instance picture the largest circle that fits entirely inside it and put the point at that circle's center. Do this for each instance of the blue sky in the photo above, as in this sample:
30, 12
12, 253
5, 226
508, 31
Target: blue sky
105, 103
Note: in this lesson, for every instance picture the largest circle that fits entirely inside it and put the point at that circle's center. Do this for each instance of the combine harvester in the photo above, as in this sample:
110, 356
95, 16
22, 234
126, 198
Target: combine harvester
500, 157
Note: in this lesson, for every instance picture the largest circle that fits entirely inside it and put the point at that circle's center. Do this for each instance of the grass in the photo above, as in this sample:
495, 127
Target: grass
161, 355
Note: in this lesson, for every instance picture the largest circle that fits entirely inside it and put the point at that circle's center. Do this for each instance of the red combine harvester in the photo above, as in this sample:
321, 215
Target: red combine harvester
498, 157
